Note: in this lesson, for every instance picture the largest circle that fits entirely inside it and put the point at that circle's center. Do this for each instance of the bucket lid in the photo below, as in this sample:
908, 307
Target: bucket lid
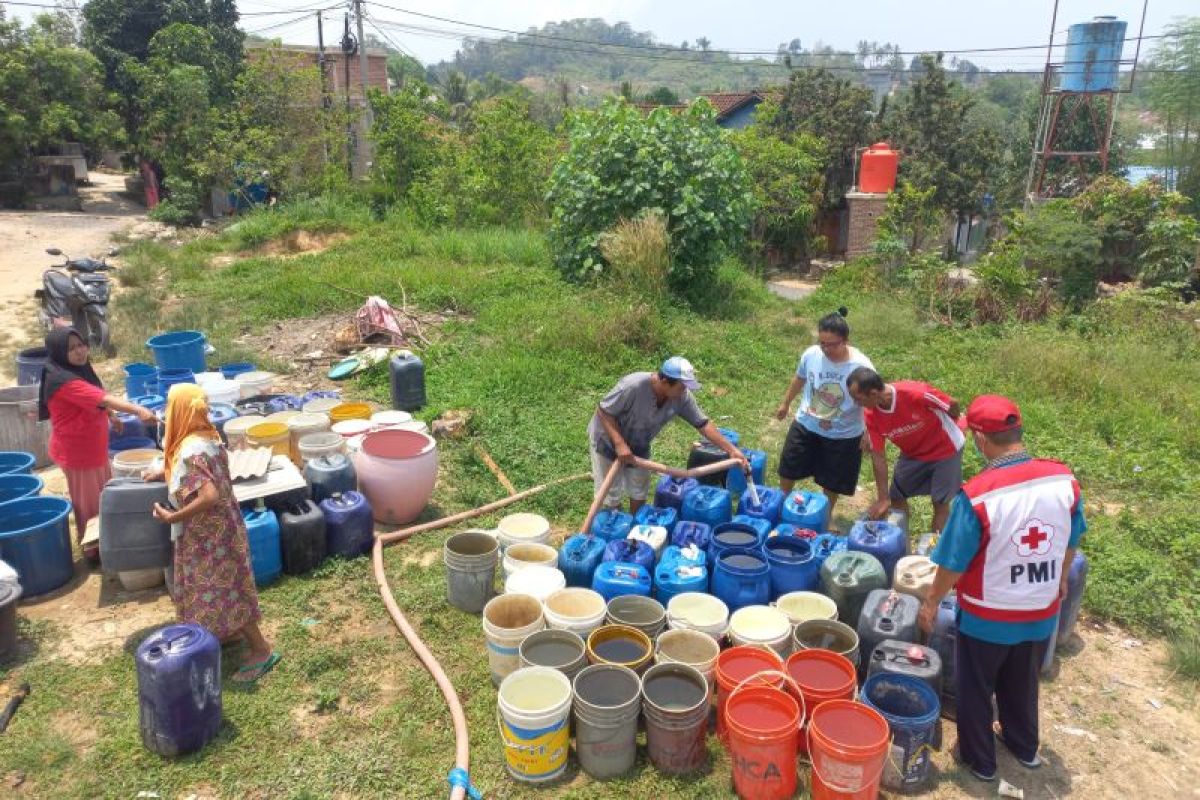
524, 525
391, 417
257, 376
760, 624
305, 419
240, 424
698, 609
322, 405
536, 580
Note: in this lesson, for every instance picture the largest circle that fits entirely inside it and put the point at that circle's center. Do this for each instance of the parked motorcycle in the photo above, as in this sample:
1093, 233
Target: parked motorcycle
77, 298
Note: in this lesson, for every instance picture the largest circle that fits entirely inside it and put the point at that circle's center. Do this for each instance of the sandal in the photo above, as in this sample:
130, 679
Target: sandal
1032, 763
252, 672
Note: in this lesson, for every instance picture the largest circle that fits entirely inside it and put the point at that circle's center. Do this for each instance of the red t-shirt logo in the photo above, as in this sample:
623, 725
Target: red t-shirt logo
1033, 538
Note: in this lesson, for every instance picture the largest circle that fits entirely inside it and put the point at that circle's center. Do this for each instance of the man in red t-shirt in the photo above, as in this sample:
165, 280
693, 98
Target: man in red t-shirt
920, 420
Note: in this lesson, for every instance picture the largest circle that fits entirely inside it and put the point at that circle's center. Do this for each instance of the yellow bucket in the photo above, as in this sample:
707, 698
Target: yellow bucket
349, 411
269, 434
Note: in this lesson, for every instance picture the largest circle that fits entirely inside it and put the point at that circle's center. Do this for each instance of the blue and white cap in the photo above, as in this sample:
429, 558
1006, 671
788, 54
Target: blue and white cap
680, 369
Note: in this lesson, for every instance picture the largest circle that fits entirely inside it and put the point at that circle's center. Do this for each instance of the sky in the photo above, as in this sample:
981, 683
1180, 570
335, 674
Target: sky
748, 25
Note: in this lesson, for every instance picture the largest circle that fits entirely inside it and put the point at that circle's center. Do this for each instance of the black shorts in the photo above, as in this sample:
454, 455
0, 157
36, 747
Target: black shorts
939, 480
832, 463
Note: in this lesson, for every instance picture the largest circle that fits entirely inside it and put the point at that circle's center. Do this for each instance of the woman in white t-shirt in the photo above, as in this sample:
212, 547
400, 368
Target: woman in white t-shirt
825, 440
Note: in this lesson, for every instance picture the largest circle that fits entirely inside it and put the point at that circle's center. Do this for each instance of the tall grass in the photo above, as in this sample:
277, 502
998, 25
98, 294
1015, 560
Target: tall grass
638, 252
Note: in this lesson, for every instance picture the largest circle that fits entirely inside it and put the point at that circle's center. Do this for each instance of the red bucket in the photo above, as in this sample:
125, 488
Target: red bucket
734, 666
821, 675
761, 723
849, 744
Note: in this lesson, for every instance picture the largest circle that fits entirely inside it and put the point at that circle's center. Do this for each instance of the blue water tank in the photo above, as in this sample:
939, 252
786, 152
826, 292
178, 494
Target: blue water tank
179, 689
741, 578
669, 492
612, 525
806, 509
266, 555
881, 539
579, 557
1093, 55
734, 535
944, 641
793, 568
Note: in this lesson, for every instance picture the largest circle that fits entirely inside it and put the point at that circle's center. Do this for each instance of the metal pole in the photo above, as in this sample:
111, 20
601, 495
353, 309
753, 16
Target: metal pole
348, 48
364, 145
325, 101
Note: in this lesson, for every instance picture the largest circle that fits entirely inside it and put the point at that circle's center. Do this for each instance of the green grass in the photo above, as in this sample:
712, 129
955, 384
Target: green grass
350, 713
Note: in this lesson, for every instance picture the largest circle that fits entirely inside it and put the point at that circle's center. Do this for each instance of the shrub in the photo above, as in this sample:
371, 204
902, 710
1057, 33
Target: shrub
1169, 253
619, 163
1007, 289
638, 253
1055, 242
788, 178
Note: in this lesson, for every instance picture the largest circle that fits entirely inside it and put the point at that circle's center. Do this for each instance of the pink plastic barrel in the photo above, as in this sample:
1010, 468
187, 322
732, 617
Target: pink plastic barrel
397, 470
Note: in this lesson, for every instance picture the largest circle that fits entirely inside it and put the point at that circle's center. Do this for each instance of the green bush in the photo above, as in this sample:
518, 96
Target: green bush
1054, 241
788, 180
619, 163
638, 252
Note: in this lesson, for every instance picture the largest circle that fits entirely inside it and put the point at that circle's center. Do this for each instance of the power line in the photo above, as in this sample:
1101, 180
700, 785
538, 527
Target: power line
773, 52
53, 7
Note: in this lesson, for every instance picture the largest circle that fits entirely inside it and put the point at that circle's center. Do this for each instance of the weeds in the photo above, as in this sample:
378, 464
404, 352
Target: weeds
638, 252
1185, 655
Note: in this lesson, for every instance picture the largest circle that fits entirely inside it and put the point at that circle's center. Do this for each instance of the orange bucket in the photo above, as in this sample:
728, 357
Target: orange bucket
821, 675
761, 722
734, 666
849, 745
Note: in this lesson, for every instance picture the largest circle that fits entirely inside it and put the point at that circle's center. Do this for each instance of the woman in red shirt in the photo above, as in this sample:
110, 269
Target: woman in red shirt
73, 399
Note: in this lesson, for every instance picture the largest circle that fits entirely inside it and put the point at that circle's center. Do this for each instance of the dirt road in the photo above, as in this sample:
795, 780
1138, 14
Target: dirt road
24, 237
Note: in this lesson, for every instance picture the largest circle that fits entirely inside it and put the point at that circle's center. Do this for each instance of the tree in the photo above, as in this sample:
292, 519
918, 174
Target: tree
402, 68
942, 144
1174, 95
50, 91
834, 110
662, 96
786, 176
619, 163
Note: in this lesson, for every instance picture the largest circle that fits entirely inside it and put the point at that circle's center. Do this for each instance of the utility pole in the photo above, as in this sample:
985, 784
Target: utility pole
326, 102
349, 46
367, 117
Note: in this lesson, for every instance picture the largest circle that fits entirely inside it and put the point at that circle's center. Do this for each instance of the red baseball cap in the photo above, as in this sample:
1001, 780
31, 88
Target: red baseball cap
993, 413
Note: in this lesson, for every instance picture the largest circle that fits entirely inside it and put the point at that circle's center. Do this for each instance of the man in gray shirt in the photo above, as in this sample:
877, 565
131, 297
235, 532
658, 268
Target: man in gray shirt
632, 414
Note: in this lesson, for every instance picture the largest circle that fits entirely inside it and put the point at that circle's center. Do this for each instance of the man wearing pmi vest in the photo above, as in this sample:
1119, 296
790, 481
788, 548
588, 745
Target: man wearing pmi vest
1011, 530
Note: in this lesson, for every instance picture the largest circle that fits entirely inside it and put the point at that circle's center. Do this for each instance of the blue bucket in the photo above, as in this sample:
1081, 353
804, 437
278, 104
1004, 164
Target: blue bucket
231, 371
12, 461
179, 350
793, 567
911, 709
35, 541
154, 402
18, 485
140, 379
29, 365
169, 377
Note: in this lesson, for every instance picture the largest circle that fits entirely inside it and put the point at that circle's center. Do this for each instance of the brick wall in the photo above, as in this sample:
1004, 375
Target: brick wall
863, 217
335, 68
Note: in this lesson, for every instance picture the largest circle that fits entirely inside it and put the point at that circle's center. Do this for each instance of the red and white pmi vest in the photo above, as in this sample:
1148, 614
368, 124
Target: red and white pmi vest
1025, 513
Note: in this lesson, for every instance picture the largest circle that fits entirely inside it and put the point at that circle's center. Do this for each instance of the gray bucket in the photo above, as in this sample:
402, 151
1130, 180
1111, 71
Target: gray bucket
470, 559
644, 613
675, 699
827, 634
19, 425
607, 703
557, 649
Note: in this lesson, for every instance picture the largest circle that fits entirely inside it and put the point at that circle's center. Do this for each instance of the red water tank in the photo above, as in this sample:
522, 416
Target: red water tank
877, 172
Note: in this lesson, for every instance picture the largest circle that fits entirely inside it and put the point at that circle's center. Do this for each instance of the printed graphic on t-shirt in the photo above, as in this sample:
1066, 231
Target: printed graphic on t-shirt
827, 400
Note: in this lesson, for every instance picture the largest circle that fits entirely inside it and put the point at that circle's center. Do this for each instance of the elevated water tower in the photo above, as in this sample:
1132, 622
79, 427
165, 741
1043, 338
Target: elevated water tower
1079, 102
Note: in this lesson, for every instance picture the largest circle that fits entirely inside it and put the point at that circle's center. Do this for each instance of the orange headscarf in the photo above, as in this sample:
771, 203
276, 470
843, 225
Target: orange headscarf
187, 415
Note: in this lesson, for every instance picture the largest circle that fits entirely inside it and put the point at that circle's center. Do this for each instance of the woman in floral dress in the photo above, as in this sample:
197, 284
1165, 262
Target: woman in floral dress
214, 583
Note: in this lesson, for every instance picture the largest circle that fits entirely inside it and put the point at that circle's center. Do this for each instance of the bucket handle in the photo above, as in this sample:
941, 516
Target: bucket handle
756, 679
850, 789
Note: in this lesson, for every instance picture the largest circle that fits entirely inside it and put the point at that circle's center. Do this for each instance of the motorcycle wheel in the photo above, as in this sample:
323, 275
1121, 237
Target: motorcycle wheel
102, 335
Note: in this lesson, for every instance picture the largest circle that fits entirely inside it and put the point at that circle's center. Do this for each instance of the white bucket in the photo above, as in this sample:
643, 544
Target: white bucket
315, 445
535, 723
253, 383
350, 428
575, 609
322, 405
694, 648
762, 626
507, 620
523, 529
132, 463
235, 430
698, 611
802, 606
391, 417
204, 379
541, 582
531, 554
222, 391
914, 575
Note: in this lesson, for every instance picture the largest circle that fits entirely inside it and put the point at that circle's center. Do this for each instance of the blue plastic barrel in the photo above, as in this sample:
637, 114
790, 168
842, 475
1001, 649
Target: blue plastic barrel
179, 350
680, 570
741, 577
140, 379
579, 557
733, 535
154, 402
231, 371
168, 377
652, 515
735, 481
793, 568
29, 365
760, 525
711, 505
35, 541
630, 551
731, 436
612, 525
669, 492
911, 709
131, 426
686, 533
618, 578
806, 509
18, 485
179, 689
14, 461
349, 524
266, 554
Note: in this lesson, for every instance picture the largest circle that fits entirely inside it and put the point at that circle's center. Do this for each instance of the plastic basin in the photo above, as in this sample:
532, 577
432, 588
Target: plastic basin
35, 541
